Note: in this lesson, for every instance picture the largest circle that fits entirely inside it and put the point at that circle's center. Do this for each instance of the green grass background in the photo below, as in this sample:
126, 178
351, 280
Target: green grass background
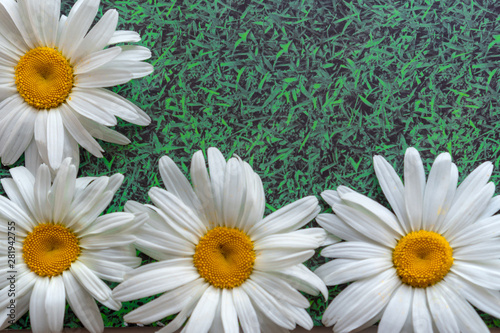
307, 92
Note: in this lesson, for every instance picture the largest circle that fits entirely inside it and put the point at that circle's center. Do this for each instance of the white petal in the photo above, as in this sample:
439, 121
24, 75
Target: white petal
234, 193
12, 191
485, 229
384, 217
43, 182
177, 184
436, 191
484, 299
7, 91
117, 105
138, 69
113, 223
492, 208
397, 310
77, 25
330, 239
471, 209
25, 182
19, 135
38, 312
19, 18
103, 133
302, 279
279, 288
177, 211
32, 157
304, 239
103, 77
483, 273
466, 316
151, 280
134, 53
266, 303
109, 269
445, 209
473, 183
422, 322
16, 116
203, 187
82, 304
13, 212
168, 244
22, 305
165, 305
85, 106
277, 259
98, 36
414, 187
228, 312
9, 28
63, 190
88, 204
361, 301
102, 242
96, 60
217, 166
338, 227
175, 324
78, 132
366, 226
44, 17
124, 36
356, 250
155, 222
255, 202
55, 138
203, 314
393, 189
246, 313
88, 280
217, 325
299, 315
440, 310
41, 134
55, 303
345, 270
486, 250
291, 217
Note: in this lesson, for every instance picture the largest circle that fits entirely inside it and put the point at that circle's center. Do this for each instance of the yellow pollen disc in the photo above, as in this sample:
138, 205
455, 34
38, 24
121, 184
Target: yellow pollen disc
44, 77
422, 258
224, 257
50, 249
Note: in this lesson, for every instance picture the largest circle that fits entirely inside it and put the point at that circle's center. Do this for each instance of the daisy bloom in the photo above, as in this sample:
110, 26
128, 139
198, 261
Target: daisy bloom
421, 268
219, 261
59, 248
52, 74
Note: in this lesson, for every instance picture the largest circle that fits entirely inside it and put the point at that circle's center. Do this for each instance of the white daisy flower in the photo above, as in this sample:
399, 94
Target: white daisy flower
219, 261
421, 268
52, 74
59, 248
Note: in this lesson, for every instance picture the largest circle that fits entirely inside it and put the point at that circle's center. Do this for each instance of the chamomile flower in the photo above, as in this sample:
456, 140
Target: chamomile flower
52, 74
421, 268
219, 261
60, 248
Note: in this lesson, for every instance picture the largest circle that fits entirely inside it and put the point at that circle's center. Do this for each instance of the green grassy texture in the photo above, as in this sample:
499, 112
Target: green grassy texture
307, 92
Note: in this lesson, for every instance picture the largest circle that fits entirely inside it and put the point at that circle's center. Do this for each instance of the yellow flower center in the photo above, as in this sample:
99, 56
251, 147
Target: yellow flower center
224, 257
50, 249
44, 77
422, 258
